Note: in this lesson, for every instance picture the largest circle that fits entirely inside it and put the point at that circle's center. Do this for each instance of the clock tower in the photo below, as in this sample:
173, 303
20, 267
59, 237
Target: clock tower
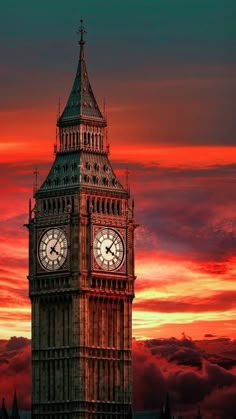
81, 272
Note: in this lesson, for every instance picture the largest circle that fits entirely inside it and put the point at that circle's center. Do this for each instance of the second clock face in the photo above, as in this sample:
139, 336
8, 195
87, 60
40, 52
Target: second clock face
108, 249
52, 250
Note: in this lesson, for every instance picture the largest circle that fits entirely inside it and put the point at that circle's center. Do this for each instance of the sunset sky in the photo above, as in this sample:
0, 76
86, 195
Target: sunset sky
167, 70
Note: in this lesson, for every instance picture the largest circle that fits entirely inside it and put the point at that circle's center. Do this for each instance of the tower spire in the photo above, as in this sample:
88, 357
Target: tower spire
15, 411
81, 31
81, 116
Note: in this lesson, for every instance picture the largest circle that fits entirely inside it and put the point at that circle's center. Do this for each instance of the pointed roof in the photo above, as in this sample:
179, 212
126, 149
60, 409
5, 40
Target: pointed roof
81, 105
82, 170
3, 411
15, 411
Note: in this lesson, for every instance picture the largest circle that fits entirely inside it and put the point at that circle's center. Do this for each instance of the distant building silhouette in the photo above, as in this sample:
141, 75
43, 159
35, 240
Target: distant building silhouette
14, 412
199, 415
163, 413
166, 411
3, 411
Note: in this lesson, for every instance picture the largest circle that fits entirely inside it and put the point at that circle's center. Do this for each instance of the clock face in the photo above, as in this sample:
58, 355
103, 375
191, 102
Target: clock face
108, 249
53, 248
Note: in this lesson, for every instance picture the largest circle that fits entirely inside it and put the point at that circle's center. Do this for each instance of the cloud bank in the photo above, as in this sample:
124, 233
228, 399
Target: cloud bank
192, 372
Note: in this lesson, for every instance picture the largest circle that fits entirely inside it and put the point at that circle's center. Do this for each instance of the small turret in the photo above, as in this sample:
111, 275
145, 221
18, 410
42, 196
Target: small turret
15, 411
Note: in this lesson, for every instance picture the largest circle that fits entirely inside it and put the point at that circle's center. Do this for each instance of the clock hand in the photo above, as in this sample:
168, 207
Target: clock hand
108, 249
53, 247
53, 250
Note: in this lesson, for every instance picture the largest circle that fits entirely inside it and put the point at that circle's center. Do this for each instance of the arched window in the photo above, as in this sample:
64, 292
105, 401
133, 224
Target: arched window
86, 178
105, 181
95, 180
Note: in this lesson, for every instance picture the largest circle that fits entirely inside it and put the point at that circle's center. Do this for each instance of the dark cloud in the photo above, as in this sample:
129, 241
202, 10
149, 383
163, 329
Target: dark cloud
178, 366
189, 385
180, 351
221, 403
17, 343
215, 302
146, 376
183, 208
15, 370
209, 335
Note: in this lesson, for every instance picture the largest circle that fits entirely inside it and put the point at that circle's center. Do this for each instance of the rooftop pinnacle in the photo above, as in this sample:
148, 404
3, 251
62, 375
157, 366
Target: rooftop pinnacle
81, 106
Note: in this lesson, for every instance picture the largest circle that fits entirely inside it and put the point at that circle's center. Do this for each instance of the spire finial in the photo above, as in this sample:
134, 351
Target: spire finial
82, 31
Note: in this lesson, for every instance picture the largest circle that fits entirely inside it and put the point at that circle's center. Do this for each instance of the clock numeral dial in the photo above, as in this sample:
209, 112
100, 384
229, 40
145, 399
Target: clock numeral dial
53, 249
108, 249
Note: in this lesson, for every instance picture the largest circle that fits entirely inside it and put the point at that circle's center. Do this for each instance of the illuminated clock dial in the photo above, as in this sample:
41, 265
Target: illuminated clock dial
53, 248
108, 249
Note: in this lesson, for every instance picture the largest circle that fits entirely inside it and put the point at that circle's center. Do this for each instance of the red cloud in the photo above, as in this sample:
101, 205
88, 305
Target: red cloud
159, 365
162, 365
216, 302
15, 371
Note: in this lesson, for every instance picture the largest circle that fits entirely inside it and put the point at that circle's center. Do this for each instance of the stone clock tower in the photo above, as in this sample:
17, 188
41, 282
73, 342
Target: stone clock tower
81, 272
